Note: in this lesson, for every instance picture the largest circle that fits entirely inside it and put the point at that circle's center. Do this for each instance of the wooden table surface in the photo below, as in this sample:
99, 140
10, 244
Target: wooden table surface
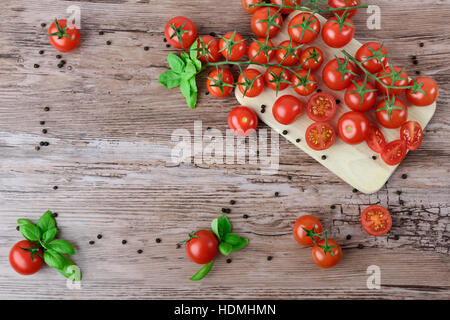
109, 129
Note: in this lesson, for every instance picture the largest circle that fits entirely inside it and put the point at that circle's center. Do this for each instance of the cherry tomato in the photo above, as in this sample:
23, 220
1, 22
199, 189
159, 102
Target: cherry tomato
327, 259
320, 136
208, 49
376, 220
427, 85
332, 74
375, 139
370, 55
259, 25
243, 121
361, 97
287, 109
304, 28
386, 77
303, 82
353, 127
220, 83
321, 107
260, 56
180, 32
337, 34
251, 83
394, 152
290, 3
411, 132
277, 78
246, 3
233, 46
202, 248
392, 114
23, 261
64, 37
311, 58
308, 222
344, 4
288, 53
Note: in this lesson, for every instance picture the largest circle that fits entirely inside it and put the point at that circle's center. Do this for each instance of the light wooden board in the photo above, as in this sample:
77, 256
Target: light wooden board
352, 163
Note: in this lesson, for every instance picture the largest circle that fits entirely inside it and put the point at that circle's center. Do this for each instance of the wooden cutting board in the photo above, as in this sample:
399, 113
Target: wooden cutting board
353, 164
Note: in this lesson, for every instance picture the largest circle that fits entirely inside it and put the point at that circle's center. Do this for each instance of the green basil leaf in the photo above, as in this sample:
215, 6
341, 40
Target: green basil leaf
61, 246
202, 272
185, 88
215, 228
175, 63
224, 226
50, 234
46, 221
30, 232
225, 248
169, 79
69, 271
189, 71
193, 54
242, 244
185, 57
232, 239
193, 84
192, 100
23, 222
54, 259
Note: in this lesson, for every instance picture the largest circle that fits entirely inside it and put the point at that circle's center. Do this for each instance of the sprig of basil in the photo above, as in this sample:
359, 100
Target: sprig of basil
202, 272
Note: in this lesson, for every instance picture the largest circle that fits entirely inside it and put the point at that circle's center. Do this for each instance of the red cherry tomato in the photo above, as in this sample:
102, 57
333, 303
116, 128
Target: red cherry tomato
304, 28
202, 248
418, 98
303, 83
376, 220
26, 262
64, 40
375, 139
321, 107
394, 152
344, 4
220, 84
391, 114
320, 136
243, 121
326, 259
333, 77
361, 97
277, 78
288, 56
259, 56
290, 3
287, 109
353, 127
386, 77
308, 222
259, 25
251, 83
411, 132
311, 58
367, 54
233, 46
180, 32
246, 3
208, 49
336, 34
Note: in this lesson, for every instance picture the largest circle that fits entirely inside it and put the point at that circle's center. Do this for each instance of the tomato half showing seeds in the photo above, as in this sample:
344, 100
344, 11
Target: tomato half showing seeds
180, 32
320, 136
64, 37
353, 127
321, 107
391, 113
344, 4
373, 56
361, 96
266, 21
304, 28
203, 247
287, 109
288, 53
396, 77
338, 74
290, 3
246, 3
327, 259
337, 33
277, 78
24, 257
311, 58
394, 152
208, 49
411, 132
243, 121
251, 83
375, 139
220, 83
424, 93
376, 220
260, 52
306, 222
304, 82
233, 46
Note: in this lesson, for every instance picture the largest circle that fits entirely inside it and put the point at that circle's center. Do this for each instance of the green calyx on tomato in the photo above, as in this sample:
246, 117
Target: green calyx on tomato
376, 54
417, 87
361, 90
272, 21
306, 25
247, 83
219, 82
33, 250
394, 77
61, 31
278, 79
178, 32
303, 81
390, 106
291, 51
322, 236
263, 48
341, 20
343, 67
230, 43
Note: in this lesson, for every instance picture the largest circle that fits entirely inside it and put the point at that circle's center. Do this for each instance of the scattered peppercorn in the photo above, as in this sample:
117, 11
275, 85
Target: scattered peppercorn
399, 192
41, 143
374, 157
401, 202
158, 240
167, 45
319, 90
404, 176
212, 34
360, 246
140, 251
44, 131
269, 258
58, 56
348, 237
17, 228
417, 72
99, 236
285, 132
229, 260
41, 51
421, 44
91, 242
414, 57
43, 24
226, 210
177, 246
101, 33
289, 177
209, 128
124, 241
333, 206
41, 123
324, 157
355, 190
338, 101
60, 65
277, 194
108, 42
55, 214
416, 62
396, 237
36, 65
232, 202
46, 143
37, 148
46, 109
55, 187
63, 62
298, 140
164, 39
206, 93
146, 48
245, 216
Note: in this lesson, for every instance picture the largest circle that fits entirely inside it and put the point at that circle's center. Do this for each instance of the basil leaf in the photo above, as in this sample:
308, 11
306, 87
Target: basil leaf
46, 221
170, 79
202, 272
225, 248
23, 222
54, 259
50, 234
189, 92
175, 63
232, 239
189, 71
224, 225
185, 57
30, 232
193, 84
242, 244
61, 246
215, 228
68, 272
193, 53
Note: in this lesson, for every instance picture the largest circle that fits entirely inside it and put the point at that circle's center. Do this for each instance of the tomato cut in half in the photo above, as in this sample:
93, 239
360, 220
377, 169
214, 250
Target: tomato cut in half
321, 107
394, 152
243, 121
287, 109
411, 132
310, 223
251, 83
266, 21
261, 52
327, 259
375, 139
353, 127
320, 136
376, 220
424, 91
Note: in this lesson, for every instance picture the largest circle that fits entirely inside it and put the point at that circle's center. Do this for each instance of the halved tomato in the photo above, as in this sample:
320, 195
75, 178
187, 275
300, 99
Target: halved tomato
411, 132
320, 136
376, 220
376, 140
321, 107
394, 152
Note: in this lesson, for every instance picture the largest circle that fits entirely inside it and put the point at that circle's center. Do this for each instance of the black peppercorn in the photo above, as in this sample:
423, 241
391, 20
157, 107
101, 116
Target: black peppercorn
360, 246
41, 123
298, 140
355, 190
146, 48
319, 90
17, 228
245, 216
36, 65
396, 237
158, 240
421, 44
164, 39
124, 241
44, 131
43, 25
101, 33
41, 143
55, 214
338, 101
99, 236
46, 109
58, 56
348, 237
333, 206
46, 144
277, 194
212, 34
229, 260
55, 187
374, 157
37, 148
41, 51
140, 251
108, 42
285, 132
404, 176
324, 157
269, 258
167, 45
232, 202
91, 242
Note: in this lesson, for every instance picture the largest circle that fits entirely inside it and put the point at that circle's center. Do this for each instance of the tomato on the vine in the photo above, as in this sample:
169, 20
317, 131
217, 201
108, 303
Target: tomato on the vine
353, 127
251, 83
243, 121
290, 3
411, 132
233, 46
321, 107
394, 152
424, 91
375, 139
308, 222
260, 52
202, 247
304, 82
266, 21
208, 49
327, 259
338, 74
277, 78
288, 53
320, 136
373, 56
220, 83
391, 114
376, 220
395, 76
338, 31
246, 3
361, 95
344, 4
311, 58
287, 109
180, 32
25, 257
64, 37
304, 28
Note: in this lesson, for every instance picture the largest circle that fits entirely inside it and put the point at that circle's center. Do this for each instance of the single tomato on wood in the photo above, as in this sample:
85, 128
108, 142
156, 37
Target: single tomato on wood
310, 223
202, 247
287, 109
64, 37
25, 257
376, 220
243, 121
180, 32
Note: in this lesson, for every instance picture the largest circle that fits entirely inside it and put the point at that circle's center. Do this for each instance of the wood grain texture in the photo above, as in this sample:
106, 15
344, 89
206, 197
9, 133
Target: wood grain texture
109, 129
